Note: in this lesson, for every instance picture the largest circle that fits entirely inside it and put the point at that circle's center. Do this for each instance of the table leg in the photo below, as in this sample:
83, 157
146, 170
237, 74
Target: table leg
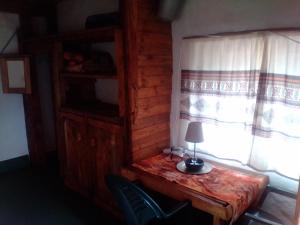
218, 221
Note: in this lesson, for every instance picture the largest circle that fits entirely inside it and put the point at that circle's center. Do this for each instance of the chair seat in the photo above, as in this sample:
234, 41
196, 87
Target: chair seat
139, 207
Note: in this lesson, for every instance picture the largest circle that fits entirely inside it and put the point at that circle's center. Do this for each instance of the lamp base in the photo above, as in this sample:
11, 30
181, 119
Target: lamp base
205, 169
194, 164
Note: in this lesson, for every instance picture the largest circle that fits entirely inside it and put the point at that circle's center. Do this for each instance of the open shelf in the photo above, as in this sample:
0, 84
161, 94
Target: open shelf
104, 111
95, 34
111, 76
90, 73
92, 34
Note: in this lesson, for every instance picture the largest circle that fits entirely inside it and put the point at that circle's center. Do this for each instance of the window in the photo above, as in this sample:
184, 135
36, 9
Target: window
245, 89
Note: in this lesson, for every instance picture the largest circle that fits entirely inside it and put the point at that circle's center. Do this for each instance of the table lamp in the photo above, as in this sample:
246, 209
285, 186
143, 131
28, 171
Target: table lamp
194, 135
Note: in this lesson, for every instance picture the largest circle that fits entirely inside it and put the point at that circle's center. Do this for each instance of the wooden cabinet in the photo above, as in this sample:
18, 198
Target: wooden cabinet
93, 148
78, 168
90, 124
91, 109
106, 143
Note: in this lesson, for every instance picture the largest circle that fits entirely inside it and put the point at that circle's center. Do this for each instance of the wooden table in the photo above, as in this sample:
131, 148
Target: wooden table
244, 187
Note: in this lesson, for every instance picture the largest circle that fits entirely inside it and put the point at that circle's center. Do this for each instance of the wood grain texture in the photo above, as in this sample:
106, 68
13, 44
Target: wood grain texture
78, 160
93, 148
297, 210
119, 51
179, 192
149, 72
106, 144
214, 193
32, 104
149, 69
34, 123
151, 120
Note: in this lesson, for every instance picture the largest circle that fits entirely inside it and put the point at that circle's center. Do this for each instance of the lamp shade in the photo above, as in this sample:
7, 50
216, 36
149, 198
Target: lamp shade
194, 132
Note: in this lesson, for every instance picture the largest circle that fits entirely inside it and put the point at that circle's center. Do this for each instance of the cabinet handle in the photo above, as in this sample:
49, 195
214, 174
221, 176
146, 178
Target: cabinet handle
93, 142
78, 137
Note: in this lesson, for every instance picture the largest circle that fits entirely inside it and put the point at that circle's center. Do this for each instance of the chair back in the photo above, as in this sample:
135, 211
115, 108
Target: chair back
139, 208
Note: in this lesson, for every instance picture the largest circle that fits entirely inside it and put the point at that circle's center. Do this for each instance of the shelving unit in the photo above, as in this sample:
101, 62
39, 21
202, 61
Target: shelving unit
74, 89
90, 122
97, 137
89, 75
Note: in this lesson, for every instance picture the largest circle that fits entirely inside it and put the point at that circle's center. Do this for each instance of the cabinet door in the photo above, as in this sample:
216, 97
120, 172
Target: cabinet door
106, 142
78, 157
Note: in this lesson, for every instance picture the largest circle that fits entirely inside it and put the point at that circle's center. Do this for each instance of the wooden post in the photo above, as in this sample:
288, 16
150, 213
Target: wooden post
218, 221
297, 210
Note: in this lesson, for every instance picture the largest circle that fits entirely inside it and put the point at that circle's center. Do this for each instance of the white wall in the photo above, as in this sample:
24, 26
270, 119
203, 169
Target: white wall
107, 90
202, 17
13, 140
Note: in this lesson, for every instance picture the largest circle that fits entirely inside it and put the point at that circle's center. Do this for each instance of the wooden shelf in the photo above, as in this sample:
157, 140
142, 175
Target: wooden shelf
89, 75
101, 34
107, 115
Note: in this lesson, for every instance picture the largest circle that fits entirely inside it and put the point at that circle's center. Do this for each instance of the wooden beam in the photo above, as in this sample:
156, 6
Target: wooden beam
297, 210
149, 69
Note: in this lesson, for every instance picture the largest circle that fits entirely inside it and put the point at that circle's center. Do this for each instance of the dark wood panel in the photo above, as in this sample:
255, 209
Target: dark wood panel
155, 39
153, 91
151, 111
89, 76
155, 148
154, 49
120, 64
153, 101
149, 26
93, 148
151, 120
90, 35
148, 131
297, 210
34, 123
156, 138
152, 81
77, 161
155, 60
106, 144
149, 69
163, 70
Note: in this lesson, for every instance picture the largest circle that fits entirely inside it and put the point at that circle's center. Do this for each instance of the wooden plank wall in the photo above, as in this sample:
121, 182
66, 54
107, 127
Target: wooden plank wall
149, 69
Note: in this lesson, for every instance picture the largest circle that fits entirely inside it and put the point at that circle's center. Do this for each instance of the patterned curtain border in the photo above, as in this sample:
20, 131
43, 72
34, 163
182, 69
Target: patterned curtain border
266, 88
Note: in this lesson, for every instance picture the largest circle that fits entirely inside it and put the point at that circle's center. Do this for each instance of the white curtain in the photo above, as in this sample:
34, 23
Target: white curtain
246, 91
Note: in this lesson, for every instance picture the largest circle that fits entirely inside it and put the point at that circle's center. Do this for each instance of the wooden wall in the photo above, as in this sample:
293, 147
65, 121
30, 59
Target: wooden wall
149, 70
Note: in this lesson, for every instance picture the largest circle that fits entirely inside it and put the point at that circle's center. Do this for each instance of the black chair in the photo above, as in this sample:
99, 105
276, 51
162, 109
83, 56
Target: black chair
138, 207
276, 207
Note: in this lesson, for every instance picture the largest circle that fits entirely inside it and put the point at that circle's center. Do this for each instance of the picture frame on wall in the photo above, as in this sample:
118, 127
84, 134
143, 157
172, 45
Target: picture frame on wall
15, 73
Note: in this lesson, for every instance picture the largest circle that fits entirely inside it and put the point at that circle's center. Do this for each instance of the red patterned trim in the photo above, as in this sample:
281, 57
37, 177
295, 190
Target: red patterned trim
272, 87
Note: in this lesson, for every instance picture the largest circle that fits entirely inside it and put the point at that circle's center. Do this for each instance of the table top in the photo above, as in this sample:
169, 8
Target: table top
225, 191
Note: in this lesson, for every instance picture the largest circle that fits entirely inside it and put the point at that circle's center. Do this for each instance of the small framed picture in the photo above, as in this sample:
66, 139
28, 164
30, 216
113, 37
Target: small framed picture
15, 73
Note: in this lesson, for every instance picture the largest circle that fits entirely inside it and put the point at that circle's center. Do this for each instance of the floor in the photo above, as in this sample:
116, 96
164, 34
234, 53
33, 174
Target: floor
28, 198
